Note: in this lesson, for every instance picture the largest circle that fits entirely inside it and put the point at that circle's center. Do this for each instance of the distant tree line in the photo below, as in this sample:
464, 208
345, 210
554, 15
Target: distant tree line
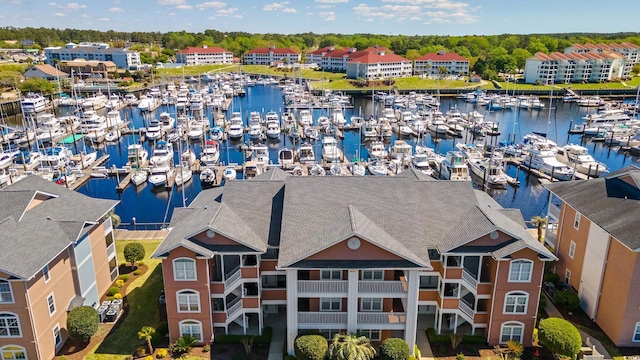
489, 54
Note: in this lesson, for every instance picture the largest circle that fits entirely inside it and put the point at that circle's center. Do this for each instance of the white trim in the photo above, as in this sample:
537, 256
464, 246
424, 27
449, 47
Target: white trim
55, 308
511, 324
173, 269
368, 332
46, 275
516, 294
371, 303
188, 293
372, 274
14, 315
191, 322
519, 280
13, 299
567, 276
330, 300
331, 273
57, 345
21, 348
572, 249
576, 220
636, 333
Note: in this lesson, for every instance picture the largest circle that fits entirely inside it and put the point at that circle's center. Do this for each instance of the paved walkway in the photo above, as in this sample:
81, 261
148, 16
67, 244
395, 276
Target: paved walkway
277, 343
140, 234
552, 311
423, 344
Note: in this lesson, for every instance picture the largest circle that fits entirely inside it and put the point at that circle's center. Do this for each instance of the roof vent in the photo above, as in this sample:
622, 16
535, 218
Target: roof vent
49, 217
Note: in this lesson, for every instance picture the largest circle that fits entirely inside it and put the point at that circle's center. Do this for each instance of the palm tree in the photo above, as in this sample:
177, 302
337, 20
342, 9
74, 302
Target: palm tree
539, 222
351, 347
146, 333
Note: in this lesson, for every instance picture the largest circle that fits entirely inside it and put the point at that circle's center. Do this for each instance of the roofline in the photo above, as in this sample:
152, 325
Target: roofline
66, 248
36, 192
227, 236
198, 252
495, 228
553, 258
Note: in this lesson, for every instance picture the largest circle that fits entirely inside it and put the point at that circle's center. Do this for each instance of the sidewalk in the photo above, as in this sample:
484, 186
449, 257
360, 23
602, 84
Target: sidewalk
423, 344
277, 343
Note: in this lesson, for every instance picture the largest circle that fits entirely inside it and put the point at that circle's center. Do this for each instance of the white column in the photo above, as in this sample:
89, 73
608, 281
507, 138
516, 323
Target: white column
292, 308
352, 302
411, 326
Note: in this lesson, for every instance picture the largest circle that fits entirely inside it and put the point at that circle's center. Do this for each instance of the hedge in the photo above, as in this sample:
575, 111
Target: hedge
265, 338
551, 277
446, 339
394, 349
568, 299
559, 336
311, 347
82, 323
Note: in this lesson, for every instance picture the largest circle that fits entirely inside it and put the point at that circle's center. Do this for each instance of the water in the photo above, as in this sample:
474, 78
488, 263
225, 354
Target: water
148, 204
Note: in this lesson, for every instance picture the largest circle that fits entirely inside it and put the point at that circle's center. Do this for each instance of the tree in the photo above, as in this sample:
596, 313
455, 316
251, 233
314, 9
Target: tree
133, 252
539, 222
560, 336
520, 56
412, 54
10, 78
635, 70
37, 85
394, 349
82, 323
310, 347
442, 71
351, 347
146, 334
537, 46
115, 219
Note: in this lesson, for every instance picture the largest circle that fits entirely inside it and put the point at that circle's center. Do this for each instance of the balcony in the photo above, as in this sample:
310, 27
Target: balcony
382, 287
323, 317
322, 287
234, 307
466, 309
382, 318
469, 279
231, 278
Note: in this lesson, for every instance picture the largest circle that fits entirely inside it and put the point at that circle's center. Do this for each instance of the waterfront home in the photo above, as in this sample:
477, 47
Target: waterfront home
270, 55
204, 55
378, 65
44, 71
123, 58
334, 59
572, 67
268, 251
88, 68
431, 63
57, 253
630, 51
593, 229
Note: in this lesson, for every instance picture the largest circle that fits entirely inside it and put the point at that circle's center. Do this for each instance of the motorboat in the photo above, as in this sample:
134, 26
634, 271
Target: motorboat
317, 170
167, 121
438, 126
377, 167
217, 133
113, 135
95, 102
159, 175
420, 162
136, 155
139, 177
401, 152
33, 103
82, 160
183, 175
113, 102
27, 160
305, 117
330, 150
55, 157
580, 160
208, 176
162, 154
175, 134
369, 131
6, 158
146, 103
259, 154
337, 117
489, 171
357, 169
229, 173
306, 154
154, 130
273, 130
196, 131
453, 167
188, 157
210, 153
312, 132
285, 158
542, 157
255, 131
378, 150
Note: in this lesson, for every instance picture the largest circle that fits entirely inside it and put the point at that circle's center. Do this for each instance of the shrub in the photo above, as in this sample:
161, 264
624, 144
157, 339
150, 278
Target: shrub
163, 328
311, 347
435, 338
290, 357
161, 353
183, 345
573, 301
560, 336
62, 357
137, 272
206, 348
141, 263
82, 323
543, 302
460, 356
119, 283
552, 278
117, 296
412, 357
141, 351
394, 349
416, 351
113, 290
515, 349
455, 340
133, 252
124, 278
148, 357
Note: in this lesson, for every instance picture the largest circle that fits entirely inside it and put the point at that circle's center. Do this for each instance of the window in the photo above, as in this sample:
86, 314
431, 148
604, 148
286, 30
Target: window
636, 333
274, 281
434, 254
429, 282
451, 290
454, 261
51, 302
520, 271
184, 269
511, 331
329, 333
516, 303
191, 327
57, 338
372, 274
330, 304
45, 273
373, 335
371, 304
9, 325
6, 295
567, 276
330, 274
572, 249
188, 301
109, 239
13, 352
576, 220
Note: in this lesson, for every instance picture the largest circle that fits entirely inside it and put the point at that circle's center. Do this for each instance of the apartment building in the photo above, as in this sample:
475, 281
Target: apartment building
384, 257
83, 69
630, 51
332, 59
559, 68
270, 55
123, 58
57, 254
431, 63
378, 65
593, 227
204, 55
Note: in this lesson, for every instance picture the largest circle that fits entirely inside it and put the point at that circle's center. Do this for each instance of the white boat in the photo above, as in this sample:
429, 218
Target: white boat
401, 152
183, 175
6, 158
154, 130
229, 173
542, 157
210, 153
273, 130
490, 171
312, 132
95, 102
438, 126
217, 133
377, 167
259, 154
136, 155
139, 177
285, 157
337, 117
420, 162
113, 102
305, 118
162, 154
113, 135
208, 176
357, 169
453, 167
33, 103
580, 160
330, 150
159, 175
130, 99
306, 154
55, 157
188, 157
27, 160
255, 131
167, 121
317, 170
369, 131
378, 150
83, 160
405, 130
196, 131
146, 103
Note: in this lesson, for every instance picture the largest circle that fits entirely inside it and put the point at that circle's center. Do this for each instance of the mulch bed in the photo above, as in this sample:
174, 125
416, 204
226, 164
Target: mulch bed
477, 352
236, 352
76, 350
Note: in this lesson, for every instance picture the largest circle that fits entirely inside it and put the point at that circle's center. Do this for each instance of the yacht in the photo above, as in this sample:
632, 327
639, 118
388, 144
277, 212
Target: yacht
210, 153
330, 150
55, 157
95, 102
159, 174
154, 130
113, 119
27, 160
139, 177
285, 158
306, 119
543, 158
167, 121
93, 126
490, 171
453, 167
236, 129
255, 131
420, 162
162, 154
113, 102
578, 158
259, 155
378, 150
136, 155
401, 152
33, 103
273, 130
377, 167
183, 175
208, 176
229, 173
337, 117
305, 153
438, 126
196, 131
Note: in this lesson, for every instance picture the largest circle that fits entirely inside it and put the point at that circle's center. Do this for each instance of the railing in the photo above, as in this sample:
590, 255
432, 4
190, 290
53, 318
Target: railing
111, 249
233, 276
394, 287
322, 286
382, 318
465, 308
236, 305
469, 279
554, 211
322, 317
143, 226
114, 274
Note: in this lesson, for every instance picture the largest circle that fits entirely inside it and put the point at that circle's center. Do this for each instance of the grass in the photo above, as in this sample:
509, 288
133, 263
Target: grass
519, 86
142, 297
407, 83
195, 69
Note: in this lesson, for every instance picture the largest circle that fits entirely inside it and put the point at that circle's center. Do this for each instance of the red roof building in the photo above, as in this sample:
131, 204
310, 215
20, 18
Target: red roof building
431, 63
377, 64
268, 56
204, 55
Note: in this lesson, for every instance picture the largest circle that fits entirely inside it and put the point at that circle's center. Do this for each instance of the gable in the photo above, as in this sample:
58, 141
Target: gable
38, 199
486, 240
366, 251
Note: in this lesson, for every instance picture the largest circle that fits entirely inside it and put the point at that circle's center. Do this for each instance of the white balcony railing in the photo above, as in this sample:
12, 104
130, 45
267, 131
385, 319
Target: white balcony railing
382, 318
469, 279
232, 277
378, 287
554, 211
111, 249
234, 308
322, 286
465, 308
322, 317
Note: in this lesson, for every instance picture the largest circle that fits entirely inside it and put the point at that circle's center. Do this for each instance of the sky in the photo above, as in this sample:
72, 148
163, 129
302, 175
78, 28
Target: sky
389, 17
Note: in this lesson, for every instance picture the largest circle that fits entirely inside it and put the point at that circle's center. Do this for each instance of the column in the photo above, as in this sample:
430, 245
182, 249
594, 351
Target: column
292, 308
411, 326
352, 302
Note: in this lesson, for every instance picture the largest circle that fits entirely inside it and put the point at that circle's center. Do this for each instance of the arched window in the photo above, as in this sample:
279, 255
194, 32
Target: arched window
184, 269
9, 325
520, 270
6, 295
188, 301
513, 330
515, 302
191, 327
13, 352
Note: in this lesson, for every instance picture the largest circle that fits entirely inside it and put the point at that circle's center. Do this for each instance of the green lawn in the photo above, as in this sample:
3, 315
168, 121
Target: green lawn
408, 83
519, 86
195, 69
594, 86
142, 297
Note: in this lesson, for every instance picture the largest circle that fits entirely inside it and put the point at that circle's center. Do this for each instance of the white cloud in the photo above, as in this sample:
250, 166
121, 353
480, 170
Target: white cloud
72, 6
431, 11
171, 2
103, 19
116, 9
184, 7
173, 14
237, 16
325, 6
211, 4
59, 15
275, 6
327, 15
333, 1
85, 16
290, 10
52, 4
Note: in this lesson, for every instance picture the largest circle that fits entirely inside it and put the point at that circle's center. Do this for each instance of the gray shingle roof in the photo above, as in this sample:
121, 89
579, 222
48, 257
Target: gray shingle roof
609, 202
31, 239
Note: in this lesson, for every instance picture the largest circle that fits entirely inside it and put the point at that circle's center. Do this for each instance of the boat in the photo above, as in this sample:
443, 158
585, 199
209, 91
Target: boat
146, 103
6, 158
357, 168
453, 167
28, 160
259, 154
236, 129
580, 160
82, 160
377, 167
378, 150
401, 152
162, 154
33, 103
420, 162
273, 130
285, 158
210, 153
175, 134
542, 157
113, 102
188, 157
305, 117
113, 135
208, 176
139, 177
159, 175
196, 131
255, 131
217, 133
317, 170
229, 173
311, 132
154, 130
438, 126
330, 150
95, 102
136, 155
336, 169
369, 131
306, 154
167, 121
490, 171
183, 175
